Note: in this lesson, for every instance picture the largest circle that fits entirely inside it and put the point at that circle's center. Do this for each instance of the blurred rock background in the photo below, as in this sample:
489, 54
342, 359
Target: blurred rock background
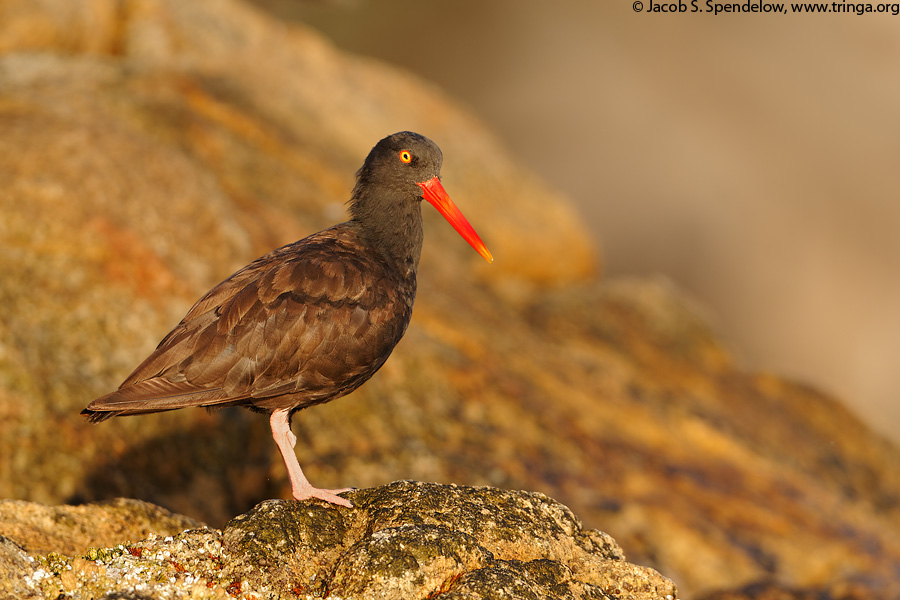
752, 158
148, 148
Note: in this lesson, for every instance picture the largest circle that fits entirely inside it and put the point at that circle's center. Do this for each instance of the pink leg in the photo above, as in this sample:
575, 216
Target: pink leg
300, 487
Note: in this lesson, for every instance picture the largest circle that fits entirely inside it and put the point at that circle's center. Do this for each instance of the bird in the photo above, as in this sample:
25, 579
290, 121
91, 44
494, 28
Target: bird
308, 322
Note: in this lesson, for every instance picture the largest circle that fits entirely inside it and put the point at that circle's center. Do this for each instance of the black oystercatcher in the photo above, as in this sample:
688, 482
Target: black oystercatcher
308, 322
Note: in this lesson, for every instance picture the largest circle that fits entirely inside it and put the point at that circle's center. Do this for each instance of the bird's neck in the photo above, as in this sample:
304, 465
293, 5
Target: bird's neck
392, 226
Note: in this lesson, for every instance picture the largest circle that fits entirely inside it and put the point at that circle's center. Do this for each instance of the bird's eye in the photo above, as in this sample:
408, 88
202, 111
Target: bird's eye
405, 156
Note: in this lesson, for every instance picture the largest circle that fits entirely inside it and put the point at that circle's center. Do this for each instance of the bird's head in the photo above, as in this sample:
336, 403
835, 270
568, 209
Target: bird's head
407, 165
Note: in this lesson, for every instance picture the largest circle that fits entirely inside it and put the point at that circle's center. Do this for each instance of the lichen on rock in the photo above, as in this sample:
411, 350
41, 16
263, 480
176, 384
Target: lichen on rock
405, 540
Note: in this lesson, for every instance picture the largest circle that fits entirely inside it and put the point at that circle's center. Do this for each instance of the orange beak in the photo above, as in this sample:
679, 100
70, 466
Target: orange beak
437, 195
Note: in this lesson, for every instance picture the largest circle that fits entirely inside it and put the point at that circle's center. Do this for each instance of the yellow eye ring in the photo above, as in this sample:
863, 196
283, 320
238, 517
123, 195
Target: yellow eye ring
405, 156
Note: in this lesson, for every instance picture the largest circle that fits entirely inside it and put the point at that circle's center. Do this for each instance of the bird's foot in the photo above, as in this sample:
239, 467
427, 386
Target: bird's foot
330, 496
301, 489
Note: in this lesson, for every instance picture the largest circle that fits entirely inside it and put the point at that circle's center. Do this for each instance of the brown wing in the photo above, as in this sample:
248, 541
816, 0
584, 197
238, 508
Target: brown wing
304, 324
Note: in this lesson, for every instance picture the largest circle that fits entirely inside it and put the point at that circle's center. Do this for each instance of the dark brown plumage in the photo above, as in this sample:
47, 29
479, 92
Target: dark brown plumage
308, 322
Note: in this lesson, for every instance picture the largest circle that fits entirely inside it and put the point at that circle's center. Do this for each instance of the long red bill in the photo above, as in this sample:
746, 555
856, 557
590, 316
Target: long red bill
437, 195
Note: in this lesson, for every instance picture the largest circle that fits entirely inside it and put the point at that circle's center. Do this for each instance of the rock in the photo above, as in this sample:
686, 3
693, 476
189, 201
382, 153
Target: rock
16, 566
148, 148
406, 540
33, 536
141, 171
72, 530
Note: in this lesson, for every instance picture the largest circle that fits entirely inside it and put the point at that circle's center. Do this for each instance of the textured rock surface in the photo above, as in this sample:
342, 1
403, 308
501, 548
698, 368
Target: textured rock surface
72, 530
406, 541
35, 537
149, 148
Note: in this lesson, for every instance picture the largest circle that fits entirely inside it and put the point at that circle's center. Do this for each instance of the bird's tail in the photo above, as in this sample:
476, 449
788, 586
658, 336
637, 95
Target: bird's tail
150, 396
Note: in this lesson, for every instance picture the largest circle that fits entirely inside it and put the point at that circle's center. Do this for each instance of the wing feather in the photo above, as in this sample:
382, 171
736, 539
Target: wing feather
305, 323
